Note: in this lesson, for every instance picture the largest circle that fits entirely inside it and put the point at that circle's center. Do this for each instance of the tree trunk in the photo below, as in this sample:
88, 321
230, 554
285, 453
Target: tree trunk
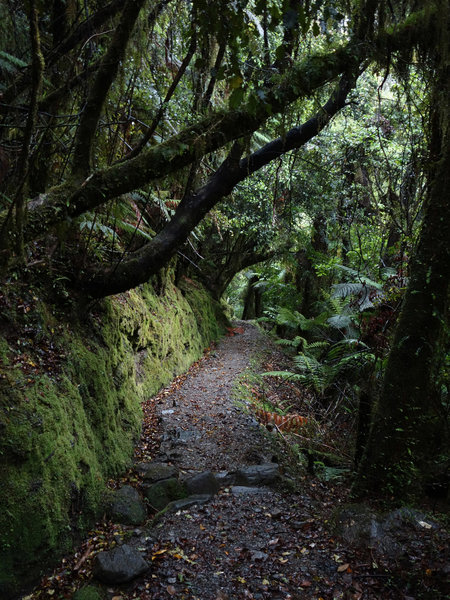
400, 430
306, 280
252, 303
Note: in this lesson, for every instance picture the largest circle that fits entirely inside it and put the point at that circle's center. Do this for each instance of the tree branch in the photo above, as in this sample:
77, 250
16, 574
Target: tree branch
105, 76
81, 32
140, 265
208, 135
151, 130
69, 201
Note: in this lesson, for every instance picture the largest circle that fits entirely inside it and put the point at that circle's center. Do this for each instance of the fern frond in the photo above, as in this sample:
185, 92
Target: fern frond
340, 321
10, 63
288, 375
361, 278
344, 290
137, 230
294, 343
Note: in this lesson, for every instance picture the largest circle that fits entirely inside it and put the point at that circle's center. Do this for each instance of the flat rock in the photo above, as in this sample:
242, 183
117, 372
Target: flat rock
189, 501
257, 474
153, 472
183, 436
239, 490
119, 565
404, 517
224, 478
161, 493
127, 507
203, 483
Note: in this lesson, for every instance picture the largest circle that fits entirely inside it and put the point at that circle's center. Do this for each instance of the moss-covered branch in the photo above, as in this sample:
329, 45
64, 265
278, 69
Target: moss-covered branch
183, 149
215, 131
138, 267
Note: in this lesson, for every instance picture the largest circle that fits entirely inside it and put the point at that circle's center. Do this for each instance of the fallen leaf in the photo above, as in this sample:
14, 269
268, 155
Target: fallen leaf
343, 567
273, 542
171, 590
305, 583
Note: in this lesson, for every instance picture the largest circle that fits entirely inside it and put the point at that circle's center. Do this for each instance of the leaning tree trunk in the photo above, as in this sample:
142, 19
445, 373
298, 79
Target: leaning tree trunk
403, 418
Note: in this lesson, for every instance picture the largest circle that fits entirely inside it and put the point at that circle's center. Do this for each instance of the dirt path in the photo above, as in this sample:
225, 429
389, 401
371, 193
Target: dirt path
247, 541
204, 428
249, 529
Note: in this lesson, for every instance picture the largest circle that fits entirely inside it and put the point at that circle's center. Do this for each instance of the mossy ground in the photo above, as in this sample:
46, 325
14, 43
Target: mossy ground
70, 406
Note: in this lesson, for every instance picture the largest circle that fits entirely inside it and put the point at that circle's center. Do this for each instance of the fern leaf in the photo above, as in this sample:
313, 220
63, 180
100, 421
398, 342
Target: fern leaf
340, 321
344, 290
10, 63
284, 375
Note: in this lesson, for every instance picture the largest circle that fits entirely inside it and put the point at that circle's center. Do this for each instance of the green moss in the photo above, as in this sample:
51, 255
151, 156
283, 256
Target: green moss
4, 359
63, 435
89, 592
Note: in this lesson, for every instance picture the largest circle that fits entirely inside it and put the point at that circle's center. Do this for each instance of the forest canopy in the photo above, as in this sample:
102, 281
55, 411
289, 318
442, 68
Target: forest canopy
230, 133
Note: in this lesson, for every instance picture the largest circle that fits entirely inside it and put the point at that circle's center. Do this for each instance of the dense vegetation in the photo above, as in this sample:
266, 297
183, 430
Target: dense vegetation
302, 147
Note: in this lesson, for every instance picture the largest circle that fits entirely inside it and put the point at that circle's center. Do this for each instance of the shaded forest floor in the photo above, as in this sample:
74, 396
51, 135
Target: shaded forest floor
252, 541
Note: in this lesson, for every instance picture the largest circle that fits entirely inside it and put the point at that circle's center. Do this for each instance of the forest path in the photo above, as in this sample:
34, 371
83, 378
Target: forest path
249, 541
253, 525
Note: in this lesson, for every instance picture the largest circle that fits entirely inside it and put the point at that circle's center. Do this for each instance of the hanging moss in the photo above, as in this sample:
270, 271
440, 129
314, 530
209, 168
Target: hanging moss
63, 435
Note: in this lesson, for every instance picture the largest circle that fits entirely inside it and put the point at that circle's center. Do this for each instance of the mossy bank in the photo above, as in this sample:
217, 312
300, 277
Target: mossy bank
71, 384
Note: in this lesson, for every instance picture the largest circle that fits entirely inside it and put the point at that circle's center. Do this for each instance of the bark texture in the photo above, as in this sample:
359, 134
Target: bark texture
404, 412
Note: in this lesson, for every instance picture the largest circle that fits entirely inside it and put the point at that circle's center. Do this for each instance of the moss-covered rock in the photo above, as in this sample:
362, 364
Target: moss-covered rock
70, 407
126, 507
89, 592
160, 494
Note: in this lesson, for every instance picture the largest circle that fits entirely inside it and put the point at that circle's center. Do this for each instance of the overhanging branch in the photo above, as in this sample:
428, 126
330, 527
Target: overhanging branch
69, 201
140, 265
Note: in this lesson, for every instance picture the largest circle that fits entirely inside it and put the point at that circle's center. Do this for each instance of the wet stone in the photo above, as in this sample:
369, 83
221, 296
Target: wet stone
239, 490
127, 507
188, 502
88, 592
119, 565
257, 474
224, 478
203, 483
153, 472
161, 493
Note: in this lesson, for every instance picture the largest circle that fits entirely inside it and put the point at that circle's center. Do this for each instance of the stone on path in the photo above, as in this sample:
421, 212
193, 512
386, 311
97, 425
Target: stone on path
188, 502
240, 490
119, 565
153, 472
257, 474
127, 507
203, 483
88, 592
360, 526
161, 493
